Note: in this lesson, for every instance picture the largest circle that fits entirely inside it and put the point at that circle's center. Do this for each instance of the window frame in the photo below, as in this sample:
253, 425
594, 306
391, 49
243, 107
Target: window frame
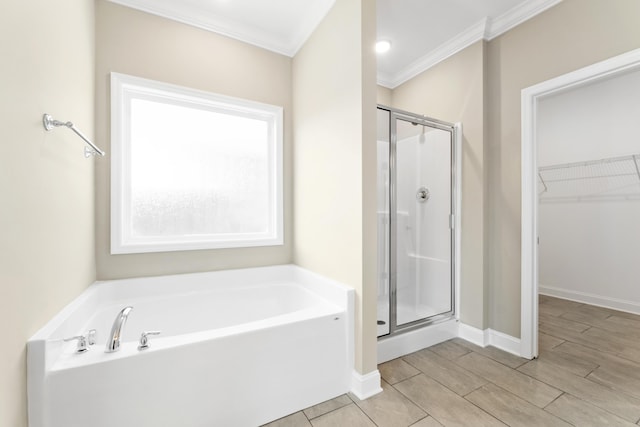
124, 88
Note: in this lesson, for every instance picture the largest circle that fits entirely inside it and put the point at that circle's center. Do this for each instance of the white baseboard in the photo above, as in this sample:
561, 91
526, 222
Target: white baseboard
504, 342
402, 344
599, 300
490, 337
473, 335
365, 386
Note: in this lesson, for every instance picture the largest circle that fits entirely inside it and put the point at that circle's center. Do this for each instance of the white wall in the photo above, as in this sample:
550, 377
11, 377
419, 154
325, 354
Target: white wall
592, 122
589, 246
46, 184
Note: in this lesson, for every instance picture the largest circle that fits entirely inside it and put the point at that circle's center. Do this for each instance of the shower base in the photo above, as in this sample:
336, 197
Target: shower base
407, 313
398, 345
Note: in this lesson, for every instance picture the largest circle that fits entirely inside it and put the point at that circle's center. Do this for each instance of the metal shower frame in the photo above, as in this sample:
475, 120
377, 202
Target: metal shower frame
453, 129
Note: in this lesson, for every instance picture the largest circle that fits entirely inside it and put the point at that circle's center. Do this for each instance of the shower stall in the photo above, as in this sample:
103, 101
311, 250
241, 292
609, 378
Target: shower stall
417, 222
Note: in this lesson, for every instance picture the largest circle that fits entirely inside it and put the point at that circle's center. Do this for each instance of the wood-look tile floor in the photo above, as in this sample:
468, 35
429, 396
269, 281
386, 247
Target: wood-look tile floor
587, 374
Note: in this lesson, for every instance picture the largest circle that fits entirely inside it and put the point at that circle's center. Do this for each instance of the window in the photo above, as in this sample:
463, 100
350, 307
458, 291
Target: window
192, 170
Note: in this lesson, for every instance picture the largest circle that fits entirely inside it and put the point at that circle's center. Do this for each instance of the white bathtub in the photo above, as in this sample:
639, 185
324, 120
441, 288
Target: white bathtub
238, 348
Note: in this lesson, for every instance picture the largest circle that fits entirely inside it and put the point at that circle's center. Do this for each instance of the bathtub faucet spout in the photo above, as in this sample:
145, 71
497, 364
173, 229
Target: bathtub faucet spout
113, 343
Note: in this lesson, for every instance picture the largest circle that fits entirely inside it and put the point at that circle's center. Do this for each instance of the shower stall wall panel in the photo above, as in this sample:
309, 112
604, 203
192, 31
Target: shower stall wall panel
424, 236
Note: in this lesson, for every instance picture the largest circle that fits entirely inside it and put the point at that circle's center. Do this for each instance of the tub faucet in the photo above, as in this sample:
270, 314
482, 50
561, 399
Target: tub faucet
113, 343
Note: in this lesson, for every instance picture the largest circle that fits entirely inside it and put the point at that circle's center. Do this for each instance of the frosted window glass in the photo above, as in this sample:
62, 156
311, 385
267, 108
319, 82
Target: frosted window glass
197, 172
192, 170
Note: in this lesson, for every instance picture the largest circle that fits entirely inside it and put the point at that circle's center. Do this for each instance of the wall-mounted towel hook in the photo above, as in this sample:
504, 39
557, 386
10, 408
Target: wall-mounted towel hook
49, 123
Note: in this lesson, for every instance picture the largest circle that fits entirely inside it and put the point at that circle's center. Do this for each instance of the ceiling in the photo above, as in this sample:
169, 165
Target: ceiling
422, 32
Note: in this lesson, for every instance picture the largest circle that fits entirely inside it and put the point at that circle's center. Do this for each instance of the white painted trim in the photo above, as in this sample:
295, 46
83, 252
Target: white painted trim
529, 233
473, 335
309, 25
529, 221
126, 88
367, 385
395, 346
185, 14
485, 29
490, 337
463, 40
504, 342
385, 80
517, 15
214, 24
592, 299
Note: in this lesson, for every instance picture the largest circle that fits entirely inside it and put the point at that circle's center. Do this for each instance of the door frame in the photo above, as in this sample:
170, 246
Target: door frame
530, 97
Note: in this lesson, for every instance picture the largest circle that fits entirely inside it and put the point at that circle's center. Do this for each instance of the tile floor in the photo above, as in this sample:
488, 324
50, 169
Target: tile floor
587, 374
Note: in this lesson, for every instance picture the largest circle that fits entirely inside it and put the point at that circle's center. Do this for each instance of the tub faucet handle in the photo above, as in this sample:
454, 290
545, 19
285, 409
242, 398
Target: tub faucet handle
91, 337
82, 343
144, 339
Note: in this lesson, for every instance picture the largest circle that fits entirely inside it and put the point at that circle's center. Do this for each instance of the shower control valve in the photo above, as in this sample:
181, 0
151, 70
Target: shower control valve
423, 194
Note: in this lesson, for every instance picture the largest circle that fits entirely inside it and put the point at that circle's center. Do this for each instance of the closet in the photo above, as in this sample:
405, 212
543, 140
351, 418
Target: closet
589, 194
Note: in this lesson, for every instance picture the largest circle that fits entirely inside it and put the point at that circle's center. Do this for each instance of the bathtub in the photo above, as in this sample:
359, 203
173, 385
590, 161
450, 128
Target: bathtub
237, 348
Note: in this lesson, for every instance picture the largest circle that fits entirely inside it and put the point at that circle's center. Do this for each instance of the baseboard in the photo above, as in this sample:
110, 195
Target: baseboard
490, 337
599, 300
399, 345
504, 342
365, 386
473, 335
390, 348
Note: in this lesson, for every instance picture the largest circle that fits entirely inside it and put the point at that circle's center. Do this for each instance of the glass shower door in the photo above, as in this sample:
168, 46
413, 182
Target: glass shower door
416, 203
421, 220
384, 129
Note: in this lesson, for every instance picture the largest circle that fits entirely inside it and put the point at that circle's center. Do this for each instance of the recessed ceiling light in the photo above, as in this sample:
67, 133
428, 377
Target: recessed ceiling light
383, 46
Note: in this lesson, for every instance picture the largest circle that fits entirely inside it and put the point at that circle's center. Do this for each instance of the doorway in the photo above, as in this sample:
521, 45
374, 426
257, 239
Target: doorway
531, 97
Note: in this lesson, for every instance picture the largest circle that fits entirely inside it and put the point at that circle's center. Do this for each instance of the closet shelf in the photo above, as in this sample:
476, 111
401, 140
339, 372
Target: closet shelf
613, 177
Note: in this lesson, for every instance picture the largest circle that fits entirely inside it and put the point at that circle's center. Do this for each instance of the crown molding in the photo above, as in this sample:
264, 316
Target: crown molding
385, 80
309, 24
517, 15
465, 39
233, 29
486, 29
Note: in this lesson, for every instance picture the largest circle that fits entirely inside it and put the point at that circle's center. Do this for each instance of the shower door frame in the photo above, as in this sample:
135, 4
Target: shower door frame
455, 130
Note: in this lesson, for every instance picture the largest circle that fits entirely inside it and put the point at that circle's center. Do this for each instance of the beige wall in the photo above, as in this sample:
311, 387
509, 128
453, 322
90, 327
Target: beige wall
480, 86
384, 96
47, 215
569, 36
453, 91
334, 159
368, 360
136, 43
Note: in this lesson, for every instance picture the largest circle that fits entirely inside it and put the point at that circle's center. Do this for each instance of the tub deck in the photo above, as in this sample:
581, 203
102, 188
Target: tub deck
238, 348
